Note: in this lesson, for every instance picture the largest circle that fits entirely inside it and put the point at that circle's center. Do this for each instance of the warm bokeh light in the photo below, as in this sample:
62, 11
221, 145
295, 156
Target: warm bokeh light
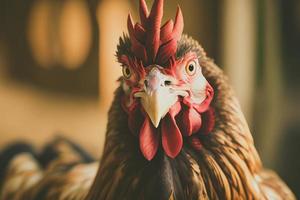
75, 33
39, 33
112, 17
60, 33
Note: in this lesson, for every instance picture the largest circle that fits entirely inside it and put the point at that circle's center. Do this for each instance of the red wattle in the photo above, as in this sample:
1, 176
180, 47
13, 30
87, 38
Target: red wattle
189, 121
208, 121
171, 136
149, 139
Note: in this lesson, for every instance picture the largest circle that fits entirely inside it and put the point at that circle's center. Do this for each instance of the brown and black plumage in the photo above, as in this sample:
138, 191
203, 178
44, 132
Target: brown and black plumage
212, 156
226, 167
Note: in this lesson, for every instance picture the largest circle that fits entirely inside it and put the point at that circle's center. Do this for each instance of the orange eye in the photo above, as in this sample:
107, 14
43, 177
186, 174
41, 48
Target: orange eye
126, 72
191, 68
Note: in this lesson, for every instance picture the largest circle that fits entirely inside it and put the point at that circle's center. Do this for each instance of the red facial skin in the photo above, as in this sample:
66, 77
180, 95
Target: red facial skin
185, 117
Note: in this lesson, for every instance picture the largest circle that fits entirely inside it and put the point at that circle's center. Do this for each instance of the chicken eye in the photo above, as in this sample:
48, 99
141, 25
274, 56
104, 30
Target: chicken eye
126, 72
191, 68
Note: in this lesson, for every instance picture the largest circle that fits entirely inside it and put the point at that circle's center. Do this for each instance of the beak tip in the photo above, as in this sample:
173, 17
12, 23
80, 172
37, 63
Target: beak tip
156, 125
155, 122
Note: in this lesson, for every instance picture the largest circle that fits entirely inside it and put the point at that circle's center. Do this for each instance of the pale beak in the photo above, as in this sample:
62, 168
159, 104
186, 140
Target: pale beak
158, 97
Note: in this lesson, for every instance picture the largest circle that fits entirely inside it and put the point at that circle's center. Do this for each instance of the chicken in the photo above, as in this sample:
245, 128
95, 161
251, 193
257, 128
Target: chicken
175, 132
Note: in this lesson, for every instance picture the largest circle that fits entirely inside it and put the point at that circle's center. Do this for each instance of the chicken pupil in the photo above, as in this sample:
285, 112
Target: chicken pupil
191, 67
127, 71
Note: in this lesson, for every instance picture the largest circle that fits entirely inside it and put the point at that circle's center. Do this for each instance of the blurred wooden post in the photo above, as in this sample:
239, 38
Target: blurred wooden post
271, 118
239, 49
112, 19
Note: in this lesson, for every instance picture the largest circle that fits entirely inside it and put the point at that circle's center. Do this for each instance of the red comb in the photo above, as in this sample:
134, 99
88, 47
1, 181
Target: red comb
150, 42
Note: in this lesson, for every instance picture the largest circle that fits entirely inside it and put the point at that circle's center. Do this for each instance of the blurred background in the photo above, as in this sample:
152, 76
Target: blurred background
58, 70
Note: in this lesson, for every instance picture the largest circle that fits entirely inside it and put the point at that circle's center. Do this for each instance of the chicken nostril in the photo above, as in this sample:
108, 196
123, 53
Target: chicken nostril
168, 83
146, 83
